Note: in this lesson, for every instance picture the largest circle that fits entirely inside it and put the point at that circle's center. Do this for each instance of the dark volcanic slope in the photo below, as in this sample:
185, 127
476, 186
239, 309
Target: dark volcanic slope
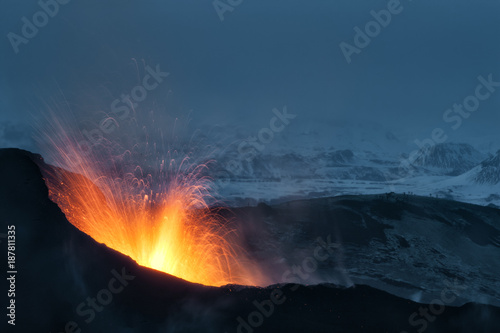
61, 272
408, 245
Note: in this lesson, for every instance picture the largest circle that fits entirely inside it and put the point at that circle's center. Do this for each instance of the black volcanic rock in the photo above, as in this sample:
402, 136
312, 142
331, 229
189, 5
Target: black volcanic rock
404, 244
60, 268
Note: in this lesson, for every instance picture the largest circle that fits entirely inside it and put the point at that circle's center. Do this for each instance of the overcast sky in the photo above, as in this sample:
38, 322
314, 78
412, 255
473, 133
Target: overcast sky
264, 54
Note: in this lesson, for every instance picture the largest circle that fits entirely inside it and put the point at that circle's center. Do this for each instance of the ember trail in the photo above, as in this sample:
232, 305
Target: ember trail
160, 218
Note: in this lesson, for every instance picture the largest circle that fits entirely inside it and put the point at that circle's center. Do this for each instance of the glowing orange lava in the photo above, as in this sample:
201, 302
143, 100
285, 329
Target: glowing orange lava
159, 219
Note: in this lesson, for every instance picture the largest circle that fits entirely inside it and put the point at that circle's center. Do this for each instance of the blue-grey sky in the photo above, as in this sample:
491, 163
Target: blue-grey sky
264, 54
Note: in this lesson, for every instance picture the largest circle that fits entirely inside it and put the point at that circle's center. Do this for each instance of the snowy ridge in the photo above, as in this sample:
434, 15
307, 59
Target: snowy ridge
489, 171
315, 159
455, 157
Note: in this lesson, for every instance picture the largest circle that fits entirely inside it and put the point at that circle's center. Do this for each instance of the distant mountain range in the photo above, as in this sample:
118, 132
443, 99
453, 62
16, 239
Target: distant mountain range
311, 160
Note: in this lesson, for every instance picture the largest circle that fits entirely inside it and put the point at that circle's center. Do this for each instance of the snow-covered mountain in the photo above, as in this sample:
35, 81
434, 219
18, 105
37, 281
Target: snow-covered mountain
315, 159
489, 171
451, 158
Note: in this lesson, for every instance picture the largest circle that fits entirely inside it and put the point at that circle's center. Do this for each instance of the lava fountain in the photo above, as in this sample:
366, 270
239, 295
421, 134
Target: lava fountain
159, 218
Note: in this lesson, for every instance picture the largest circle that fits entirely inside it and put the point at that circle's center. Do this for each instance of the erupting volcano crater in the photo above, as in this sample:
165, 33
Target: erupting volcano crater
160, 219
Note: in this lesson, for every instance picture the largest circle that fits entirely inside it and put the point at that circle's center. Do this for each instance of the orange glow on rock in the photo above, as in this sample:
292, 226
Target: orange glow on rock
161, 220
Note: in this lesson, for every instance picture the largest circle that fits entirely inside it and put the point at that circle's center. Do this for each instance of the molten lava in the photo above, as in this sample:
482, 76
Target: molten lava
160, 218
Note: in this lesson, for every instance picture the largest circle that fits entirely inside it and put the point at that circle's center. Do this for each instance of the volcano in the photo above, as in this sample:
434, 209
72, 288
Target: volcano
392, 268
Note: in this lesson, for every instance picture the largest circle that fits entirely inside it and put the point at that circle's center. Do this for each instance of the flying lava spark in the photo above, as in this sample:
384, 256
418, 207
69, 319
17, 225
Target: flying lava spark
160, 218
